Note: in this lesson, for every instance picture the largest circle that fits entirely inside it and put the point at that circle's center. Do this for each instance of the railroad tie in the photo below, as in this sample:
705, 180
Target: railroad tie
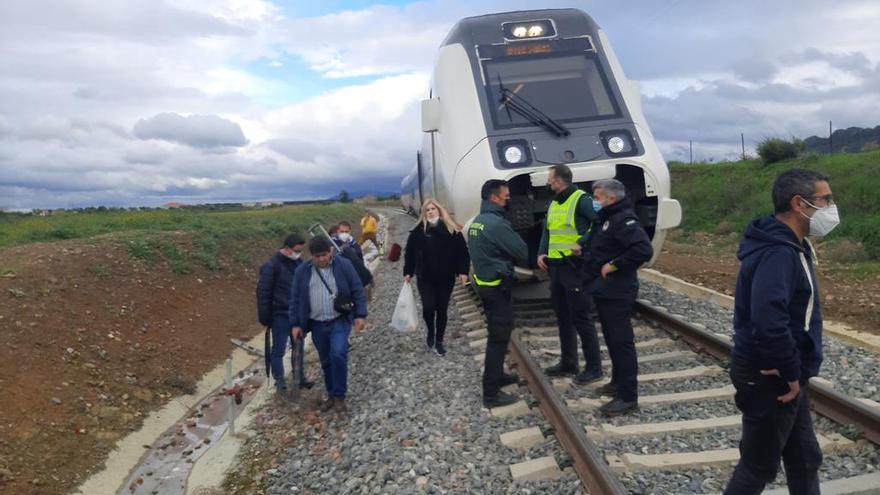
524, 439
515, 410
543, 468
696, 371
863, 484
606, 431
720, 393
687, 460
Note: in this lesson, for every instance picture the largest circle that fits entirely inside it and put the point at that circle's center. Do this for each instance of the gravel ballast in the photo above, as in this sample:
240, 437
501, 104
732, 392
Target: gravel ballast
415, 421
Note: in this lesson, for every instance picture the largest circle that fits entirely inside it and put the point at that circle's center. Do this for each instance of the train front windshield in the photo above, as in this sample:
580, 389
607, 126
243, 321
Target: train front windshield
569, 88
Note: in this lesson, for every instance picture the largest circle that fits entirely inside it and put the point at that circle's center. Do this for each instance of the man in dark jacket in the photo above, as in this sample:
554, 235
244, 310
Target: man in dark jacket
618, 247
317, 284
566, 232
494, 246
351, 250
777, 342
273, 300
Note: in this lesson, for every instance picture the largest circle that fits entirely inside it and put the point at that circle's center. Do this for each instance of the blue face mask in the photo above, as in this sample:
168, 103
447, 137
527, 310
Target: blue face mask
597, 206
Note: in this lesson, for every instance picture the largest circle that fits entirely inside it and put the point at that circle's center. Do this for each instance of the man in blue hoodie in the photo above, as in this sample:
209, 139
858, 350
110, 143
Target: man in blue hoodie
327, 299
778, 335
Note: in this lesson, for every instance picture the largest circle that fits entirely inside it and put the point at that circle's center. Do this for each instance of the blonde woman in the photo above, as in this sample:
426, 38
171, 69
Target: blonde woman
436, 255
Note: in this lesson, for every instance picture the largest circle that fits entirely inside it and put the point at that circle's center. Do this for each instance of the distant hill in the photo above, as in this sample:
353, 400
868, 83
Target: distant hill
850, 140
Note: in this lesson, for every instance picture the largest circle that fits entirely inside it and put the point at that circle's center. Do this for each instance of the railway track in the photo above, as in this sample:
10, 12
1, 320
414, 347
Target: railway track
687, 426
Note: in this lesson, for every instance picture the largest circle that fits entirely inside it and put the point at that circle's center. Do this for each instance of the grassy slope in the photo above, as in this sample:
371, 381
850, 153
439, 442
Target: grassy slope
724, 197
150, 236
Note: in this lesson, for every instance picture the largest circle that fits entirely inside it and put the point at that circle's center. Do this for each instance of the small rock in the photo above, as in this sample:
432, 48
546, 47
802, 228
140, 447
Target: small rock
56, 401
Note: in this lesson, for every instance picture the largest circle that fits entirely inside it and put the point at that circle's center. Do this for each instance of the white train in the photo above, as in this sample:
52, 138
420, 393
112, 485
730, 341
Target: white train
512, 94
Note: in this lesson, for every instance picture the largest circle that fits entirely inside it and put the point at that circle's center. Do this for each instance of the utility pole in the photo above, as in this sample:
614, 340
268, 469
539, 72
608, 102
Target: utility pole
830, 146
691, 144
742, 139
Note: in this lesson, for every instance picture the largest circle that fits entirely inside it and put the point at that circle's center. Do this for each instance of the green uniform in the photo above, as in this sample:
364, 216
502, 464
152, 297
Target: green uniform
494, 245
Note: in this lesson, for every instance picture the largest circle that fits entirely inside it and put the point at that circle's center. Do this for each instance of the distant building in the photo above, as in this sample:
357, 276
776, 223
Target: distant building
172, 205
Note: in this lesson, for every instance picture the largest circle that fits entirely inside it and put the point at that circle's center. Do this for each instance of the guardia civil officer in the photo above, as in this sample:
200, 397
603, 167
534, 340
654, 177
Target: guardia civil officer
777, 340
617, 248
566, 232
494, 246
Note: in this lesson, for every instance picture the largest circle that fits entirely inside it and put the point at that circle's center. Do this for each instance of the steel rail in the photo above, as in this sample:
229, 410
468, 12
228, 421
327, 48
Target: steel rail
825, 400
588, 463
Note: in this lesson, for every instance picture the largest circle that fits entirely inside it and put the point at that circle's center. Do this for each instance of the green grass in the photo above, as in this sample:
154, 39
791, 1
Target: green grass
264, 222
724, 197
151, 236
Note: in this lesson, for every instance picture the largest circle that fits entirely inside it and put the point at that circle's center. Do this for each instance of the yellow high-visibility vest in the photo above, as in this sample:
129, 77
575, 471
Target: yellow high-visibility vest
487, 283
561, 226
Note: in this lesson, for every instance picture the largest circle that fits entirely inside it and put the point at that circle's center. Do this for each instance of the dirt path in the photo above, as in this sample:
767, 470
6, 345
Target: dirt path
90, 342
710, 261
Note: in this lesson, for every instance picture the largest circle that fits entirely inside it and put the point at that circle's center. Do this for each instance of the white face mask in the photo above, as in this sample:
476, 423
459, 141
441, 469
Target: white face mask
344, 237
824, 220
294, 255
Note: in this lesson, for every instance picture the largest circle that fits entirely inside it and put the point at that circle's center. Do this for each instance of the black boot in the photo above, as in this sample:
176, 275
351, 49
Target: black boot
561, 370
618, 406
439, 349
502, 399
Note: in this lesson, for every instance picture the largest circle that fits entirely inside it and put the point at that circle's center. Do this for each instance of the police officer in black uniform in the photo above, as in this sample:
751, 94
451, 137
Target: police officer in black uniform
618, 247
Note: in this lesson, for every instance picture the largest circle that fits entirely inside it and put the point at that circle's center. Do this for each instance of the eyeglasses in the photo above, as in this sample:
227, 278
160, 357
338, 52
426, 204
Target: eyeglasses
828, 198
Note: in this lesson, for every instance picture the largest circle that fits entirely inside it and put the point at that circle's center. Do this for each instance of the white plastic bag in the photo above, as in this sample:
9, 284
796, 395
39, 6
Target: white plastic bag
405, 317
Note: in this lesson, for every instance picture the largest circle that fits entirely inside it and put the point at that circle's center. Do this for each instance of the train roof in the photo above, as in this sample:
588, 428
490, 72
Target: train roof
486, 29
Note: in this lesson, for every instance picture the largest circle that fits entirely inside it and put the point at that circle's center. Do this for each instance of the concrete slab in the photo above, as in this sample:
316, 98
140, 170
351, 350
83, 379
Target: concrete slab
481, 333
643, 429
522, 439
723, 457
472, 324
651, 358
128, 451
562, 383
544, 468
865, 484
473, 315
720, 393
870, 403
514, 410
478, 344
669, 375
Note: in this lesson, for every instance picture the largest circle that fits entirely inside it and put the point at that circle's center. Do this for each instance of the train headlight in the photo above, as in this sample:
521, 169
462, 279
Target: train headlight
526, 30
619, 142
513, 154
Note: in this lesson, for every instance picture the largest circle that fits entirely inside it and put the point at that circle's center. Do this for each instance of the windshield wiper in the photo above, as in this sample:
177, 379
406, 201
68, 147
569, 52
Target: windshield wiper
518, 104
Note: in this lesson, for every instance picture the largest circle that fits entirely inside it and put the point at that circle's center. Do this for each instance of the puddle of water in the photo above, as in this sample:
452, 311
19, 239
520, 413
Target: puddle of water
165, 467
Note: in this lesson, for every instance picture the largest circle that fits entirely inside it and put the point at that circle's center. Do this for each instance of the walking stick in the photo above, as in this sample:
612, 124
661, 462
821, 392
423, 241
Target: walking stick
296, 365
267, 352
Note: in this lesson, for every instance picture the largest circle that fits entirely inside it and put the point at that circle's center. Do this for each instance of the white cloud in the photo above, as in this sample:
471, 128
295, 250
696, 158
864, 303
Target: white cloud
150, 100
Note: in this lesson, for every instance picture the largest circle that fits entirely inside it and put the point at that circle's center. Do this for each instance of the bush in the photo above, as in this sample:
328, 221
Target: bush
775, 149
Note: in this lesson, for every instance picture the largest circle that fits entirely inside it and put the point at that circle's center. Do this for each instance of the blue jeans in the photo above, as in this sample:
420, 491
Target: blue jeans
331, 340
280, 337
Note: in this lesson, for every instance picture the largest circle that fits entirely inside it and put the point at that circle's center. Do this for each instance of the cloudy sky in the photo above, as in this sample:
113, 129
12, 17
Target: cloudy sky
138, 102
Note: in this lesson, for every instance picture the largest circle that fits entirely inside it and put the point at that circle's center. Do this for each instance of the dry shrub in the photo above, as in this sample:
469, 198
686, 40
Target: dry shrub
843, 251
